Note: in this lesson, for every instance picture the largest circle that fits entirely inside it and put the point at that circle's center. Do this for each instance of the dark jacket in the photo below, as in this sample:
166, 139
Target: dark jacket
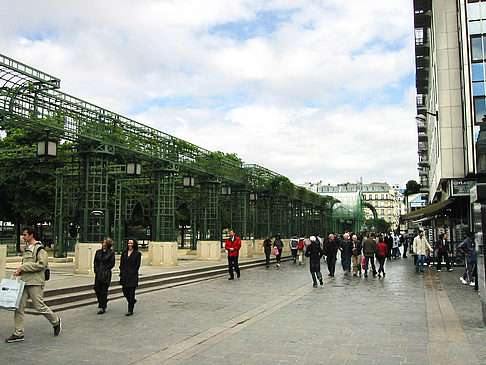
103, 263
330, 248
369, 247
129, 266
356, 250
347, 248
314, 251
467, 247
278, 243
442, 246
267, 244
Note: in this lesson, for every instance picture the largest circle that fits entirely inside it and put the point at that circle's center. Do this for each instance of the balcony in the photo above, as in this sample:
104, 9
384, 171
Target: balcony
422, 19
422, 147
423, 161
422, 5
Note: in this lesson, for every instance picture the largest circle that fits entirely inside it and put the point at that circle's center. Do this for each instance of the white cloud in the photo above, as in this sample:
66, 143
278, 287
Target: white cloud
322, 92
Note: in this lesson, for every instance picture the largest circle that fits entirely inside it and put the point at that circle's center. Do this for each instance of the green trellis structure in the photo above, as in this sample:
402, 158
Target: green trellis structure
95, 190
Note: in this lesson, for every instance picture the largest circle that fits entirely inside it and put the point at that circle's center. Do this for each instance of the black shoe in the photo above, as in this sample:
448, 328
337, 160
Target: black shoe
129, 313
58, 328
321, 282
231, 278
365, 275
314, 285
14, 338
101, 311
238, 275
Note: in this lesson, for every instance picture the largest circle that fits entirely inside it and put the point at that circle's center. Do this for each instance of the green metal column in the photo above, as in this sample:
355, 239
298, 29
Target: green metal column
164, 227
211, 225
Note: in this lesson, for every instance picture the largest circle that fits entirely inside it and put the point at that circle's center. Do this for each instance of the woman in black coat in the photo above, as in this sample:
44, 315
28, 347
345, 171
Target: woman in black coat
104, 261
129, 266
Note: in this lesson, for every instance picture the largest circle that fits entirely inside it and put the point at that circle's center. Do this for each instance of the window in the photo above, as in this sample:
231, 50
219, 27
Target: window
479, 108
376, 196
476, 48
382, 196
382, 211
477, 71
473, 11
389, 212
475, 27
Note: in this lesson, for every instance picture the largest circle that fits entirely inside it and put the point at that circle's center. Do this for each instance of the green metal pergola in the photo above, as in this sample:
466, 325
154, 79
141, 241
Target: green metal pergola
114, 168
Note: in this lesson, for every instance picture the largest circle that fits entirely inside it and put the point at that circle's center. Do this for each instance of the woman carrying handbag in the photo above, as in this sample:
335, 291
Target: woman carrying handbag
129, 266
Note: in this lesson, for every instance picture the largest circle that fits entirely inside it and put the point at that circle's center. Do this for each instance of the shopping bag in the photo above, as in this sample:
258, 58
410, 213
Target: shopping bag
275, 251
10, 293
363, 262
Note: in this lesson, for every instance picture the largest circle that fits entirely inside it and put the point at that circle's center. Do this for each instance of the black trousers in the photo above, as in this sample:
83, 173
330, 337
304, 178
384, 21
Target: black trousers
101, 290
233, 264
405, 248
294, 254
381, 261
267, 256
445, 255
129, 294
331, 264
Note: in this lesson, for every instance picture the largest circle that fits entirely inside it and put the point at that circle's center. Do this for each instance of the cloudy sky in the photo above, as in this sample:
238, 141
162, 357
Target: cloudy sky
314, 90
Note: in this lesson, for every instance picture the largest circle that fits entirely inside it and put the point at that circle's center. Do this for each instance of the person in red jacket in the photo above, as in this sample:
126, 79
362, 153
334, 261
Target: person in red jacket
382, 253
233, 245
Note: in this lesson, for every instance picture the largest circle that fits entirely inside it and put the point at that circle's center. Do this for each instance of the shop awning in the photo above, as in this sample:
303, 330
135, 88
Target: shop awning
427, 211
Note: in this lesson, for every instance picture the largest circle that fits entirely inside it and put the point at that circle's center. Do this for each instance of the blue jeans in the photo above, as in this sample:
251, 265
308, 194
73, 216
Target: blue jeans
346, 262
420, 260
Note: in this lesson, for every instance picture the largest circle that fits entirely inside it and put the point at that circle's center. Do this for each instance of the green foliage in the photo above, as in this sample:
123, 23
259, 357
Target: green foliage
27, 184
412, 187
377, 225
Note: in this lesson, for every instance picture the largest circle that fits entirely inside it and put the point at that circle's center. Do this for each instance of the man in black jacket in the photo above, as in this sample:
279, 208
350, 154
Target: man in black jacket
314, 252
443, 251
330, 251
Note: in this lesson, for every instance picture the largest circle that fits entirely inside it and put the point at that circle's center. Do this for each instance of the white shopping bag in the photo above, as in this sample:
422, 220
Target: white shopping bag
11, 293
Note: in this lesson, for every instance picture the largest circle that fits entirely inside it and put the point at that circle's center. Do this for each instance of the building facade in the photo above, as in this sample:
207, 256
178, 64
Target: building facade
450, 55
387, 200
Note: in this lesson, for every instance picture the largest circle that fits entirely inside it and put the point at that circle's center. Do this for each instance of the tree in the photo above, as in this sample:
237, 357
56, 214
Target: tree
377, 225
412, 187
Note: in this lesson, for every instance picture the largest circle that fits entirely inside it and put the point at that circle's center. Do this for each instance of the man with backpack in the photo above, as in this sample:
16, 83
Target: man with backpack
294, 247
32, 272
301, 249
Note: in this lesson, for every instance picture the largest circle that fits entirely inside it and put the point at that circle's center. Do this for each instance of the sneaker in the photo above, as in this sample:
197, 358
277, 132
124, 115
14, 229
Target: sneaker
129, 313
14, 338
231, 278
278, 265
462, 280
471, 283
101, 311
439, 270
450, 269
58, 328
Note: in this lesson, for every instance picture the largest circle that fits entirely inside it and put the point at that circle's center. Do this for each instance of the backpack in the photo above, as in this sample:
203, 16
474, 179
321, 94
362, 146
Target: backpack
47, 271
300, 246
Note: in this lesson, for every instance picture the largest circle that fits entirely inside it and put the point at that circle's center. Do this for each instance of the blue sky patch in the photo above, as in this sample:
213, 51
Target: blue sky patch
264, 23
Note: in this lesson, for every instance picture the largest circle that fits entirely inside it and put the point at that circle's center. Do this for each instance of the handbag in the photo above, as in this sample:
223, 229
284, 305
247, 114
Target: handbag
10, 293
275, 251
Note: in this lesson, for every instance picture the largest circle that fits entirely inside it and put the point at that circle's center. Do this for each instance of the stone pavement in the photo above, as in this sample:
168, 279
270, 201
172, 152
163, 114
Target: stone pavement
272, 316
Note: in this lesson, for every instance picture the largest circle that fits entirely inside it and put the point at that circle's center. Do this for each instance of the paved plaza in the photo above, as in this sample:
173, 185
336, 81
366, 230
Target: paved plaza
272, 316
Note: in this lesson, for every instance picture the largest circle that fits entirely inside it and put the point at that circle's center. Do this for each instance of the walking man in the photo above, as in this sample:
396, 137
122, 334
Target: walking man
420, 246
330, 250
301, 249
233, 245
443, 251
346, 248
356, 256
314, 252
369, 250
34, 264
467, 248
294, 244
